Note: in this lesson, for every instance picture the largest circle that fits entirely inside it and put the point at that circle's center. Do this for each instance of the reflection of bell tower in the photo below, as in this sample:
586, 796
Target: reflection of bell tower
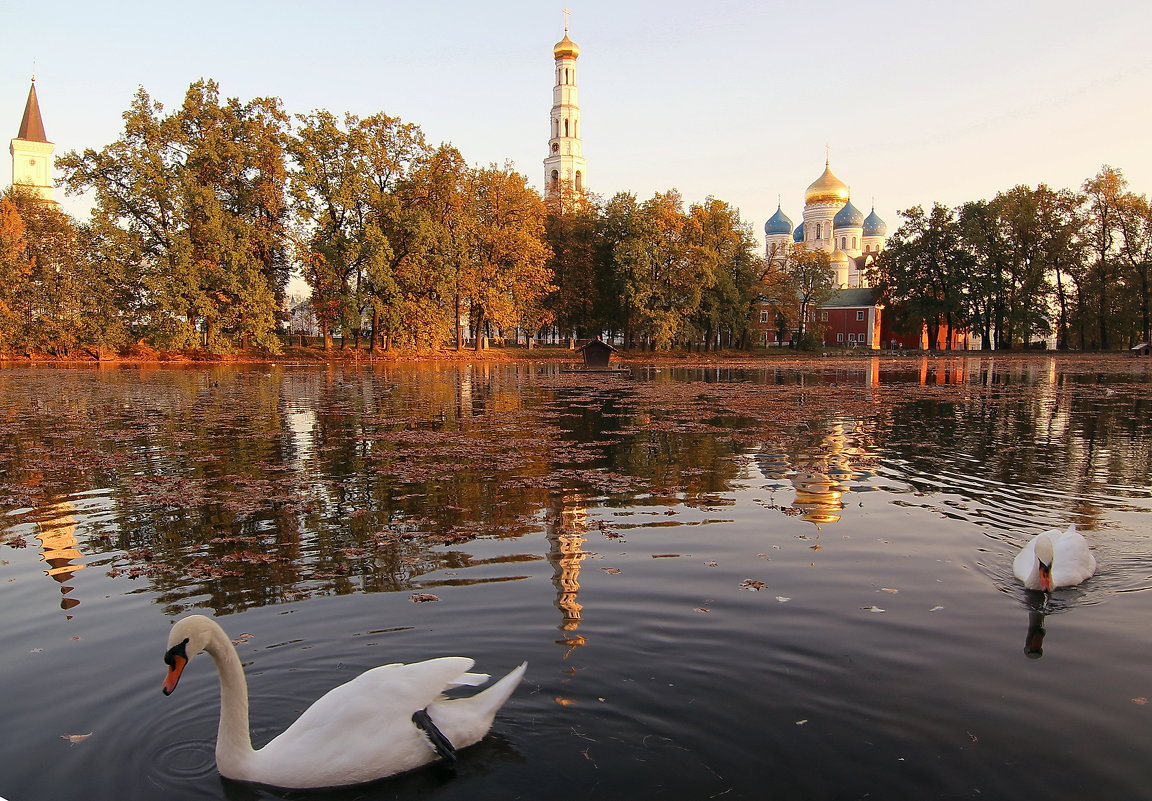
565, 555
56, 530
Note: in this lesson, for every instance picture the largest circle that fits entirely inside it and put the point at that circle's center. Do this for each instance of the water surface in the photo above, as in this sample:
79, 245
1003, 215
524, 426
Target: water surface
782, 582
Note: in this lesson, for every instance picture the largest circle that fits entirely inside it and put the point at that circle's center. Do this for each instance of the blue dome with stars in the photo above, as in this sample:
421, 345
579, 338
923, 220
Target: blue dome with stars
848, 217
798, 234
778, 224
874, 226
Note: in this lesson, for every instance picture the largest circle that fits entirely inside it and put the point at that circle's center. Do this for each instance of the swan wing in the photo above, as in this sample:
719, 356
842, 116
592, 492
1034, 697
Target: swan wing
1024, 565
361, 730
1073, 562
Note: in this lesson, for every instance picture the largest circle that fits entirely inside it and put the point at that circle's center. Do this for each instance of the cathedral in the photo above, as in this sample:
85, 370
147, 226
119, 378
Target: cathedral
32, 152
833, 224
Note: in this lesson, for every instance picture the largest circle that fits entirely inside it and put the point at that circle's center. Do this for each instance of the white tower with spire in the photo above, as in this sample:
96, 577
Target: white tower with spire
32, 152
565, 168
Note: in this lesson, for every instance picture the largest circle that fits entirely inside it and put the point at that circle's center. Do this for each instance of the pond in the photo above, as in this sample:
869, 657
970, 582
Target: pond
784, 581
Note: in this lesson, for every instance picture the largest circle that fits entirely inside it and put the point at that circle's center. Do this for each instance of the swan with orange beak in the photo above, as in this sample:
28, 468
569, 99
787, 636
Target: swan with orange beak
1054, 559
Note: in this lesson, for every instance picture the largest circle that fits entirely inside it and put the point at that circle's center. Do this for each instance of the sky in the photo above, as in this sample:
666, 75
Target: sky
914, 102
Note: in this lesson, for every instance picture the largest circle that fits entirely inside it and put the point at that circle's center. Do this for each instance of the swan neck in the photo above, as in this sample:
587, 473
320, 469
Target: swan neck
233, 736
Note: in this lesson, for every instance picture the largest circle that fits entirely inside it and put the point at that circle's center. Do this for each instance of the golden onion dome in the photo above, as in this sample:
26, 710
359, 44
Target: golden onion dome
839, 257
566, 48
827, 189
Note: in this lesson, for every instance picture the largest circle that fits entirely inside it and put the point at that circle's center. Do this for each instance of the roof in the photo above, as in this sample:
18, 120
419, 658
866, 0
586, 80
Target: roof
598, 343
32, 126
847, 298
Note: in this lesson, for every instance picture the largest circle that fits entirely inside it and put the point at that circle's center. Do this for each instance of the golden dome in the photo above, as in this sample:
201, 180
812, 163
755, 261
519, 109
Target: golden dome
826, 189
566, 48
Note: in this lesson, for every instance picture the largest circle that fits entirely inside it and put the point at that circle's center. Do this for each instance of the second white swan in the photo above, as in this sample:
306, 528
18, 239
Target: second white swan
1054, 559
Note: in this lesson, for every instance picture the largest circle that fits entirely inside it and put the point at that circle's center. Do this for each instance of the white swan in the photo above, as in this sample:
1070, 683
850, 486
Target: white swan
386, 720
1054, 559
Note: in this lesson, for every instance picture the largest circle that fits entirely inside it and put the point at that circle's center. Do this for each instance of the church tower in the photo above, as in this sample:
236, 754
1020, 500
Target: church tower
565, 168
32, 152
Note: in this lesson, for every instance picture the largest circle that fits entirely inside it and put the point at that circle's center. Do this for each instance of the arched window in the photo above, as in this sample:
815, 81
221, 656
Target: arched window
565, 127
843, 242
818, 231
579, 181
555, 179
567, 76
853, 243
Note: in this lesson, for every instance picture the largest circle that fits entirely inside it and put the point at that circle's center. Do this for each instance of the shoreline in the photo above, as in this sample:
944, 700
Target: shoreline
297, 356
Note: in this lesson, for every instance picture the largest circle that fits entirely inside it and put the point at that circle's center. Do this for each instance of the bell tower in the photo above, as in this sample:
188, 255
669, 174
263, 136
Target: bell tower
32, 152
565, 169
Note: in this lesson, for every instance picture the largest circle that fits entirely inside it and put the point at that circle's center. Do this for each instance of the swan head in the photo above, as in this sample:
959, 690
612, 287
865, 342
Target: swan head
1044, 561
188, 637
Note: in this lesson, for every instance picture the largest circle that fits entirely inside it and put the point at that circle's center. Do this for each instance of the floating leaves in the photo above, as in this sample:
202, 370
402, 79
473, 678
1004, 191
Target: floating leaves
423, 597
73, 739
872, 608
752, 585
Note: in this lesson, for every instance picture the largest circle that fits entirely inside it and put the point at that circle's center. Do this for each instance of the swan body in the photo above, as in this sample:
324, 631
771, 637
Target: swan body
1054, 559
358, 732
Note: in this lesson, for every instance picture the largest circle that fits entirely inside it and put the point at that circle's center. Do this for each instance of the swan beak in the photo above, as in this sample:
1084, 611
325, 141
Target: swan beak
175, 659
1045, 577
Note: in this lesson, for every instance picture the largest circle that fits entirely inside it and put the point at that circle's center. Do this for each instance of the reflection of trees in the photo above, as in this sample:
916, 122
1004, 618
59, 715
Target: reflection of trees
1074, 439
244, 486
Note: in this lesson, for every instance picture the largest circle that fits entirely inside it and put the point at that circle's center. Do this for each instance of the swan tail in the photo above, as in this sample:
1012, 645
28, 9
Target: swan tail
470, 680
484, 704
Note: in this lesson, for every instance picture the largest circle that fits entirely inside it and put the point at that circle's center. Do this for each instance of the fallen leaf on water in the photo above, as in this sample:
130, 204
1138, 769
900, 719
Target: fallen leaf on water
712, 564
665, 555
753, 585
801, 722
564, 701
888, 589
933, 609
423, 597
872, 608
702, 609
1140, 701
243, 638
783, 599
75, 738
612, 571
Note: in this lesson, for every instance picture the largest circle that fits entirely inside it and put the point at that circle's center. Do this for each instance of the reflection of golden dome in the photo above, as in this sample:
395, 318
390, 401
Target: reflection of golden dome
566, 48
825, 189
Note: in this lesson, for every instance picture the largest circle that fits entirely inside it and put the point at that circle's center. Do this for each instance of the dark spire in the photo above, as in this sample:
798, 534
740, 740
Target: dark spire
32, 126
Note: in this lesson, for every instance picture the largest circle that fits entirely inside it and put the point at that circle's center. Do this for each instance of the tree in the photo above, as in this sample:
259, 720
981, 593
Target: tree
190, 207
811, 278
723, 246
55, 298
922, 272
504, 277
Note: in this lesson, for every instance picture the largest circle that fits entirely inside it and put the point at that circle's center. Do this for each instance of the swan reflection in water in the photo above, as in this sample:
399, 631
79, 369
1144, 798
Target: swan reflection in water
1034, 642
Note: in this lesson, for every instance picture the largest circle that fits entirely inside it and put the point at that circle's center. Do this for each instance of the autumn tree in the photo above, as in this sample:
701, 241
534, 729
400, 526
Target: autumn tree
190, 206
504, 277
55, 297
810, 277
722, 246
922, 270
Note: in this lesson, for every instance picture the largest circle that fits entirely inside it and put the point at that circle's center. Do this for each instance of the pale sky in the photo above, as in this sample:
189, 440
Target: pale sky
917, 101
